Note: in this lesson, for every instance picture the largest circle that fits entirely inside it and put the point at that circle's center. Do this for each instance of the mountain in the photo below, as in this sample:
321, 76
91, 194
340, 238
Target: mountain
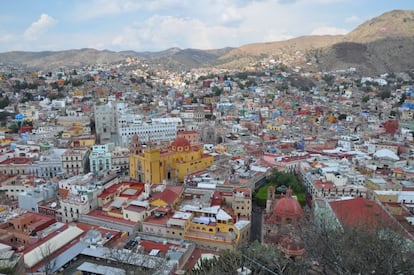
384, 43
243, 55
173, 58
381, 44
182, 59
57, 59
390, 25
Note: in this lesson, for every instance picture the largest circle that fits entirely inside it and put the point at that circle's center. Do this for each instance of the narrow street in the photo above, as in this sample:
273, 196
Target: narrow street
257, 219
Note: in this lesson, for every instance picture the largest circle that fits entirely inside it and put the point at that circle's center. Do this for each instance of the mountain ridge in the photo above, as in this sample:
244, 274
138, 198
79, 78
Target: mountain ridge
378, 44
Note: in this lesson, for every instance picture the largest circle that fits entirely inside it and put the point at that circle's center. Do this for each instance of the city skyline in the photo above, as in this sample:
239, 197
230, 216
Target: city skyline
159, 25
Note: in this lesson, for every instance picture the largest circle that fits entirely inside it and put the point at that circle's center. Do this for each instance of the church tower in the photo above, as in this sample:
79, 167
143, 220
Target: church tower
270, 198
135, 146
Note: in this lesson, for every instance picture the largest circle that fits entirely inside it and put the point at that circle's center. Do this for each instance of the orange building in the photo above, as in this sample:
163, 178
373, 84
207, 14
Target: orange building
191, 136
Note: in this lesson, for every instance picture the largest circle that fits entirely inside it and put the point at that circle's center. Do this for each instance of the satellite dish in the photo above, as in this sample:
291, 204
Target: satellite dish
53, 205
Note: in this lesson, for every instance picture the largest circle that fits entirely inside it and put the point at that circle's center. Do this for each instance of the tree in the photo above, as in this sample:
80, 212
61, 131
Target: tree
356, 250
278, 178
4, 102
46, 254
26, 97
365, 98
403, 98
385, 94
260, 259
217, 91
134, 263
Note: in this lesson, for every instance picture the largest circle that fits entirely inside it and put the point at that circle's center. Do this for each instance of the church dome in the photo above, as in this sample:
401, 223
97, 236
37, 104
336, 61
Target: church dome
180, 144
287, 208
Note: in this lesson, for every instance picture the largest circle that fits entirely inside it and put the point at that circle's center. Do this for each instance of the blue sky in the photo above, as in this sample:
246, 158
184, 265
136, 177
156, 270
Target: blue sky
153, 25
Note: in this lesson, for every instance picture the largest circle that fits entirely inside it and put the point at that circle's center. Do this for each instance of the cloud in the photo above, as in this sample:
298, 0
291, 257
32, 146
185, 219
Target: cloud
152, 25
102, 8
353, 19
161, 32
231, 17
6, 37
325, 30
38, 27
234, 23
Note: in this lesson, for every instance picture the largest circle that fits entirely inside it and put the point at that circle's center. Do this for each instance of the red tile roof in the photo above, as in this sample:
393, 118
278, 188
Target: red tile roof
63, 192
102, 215
196, 255
217, 198
362, 213
150, 245
20, 160
327, 185
169, 195
157, 220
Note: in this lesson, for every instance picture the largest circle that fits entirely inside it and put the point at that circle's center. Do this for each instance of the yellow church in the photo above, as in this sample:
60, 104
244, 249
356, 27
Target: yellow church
153, 165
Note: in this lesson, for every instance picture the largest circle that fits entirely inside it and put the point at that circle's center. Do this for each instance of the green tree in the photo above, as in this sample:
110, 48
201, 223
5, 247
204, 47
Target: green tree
385, 94
4, 102
403, 98
217, 91
26, 97
288, 179
279, 179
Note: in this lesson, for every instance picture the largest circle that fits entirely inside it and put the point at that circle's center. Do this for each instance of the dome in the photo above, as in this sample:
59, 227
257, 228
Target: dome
291, 246
287, 207
180, 142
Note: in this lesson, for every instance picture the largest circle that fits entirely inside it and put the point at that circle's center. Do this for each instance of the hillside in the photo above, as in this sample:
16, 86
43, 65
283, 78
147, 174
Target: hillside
290, 46
69, 58
393, 24
381, 44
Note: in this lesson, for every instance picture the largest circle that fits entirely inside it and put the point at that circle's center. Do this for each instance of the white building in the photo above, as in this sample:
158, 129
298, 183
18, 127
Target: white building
100, 159
160, 129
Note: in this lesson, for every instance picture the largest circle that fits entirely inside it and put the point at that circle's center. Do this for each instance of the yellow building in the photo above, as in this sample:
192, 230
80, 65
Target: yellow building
6, 141
379, 183
275, 127
387, 196
213, 227
83, 141
78, 93
74, 131
153, 165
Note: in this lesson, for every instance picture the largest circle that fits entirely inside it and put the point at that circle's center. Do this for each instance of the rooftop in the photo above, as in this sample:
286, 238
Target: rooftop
15, 161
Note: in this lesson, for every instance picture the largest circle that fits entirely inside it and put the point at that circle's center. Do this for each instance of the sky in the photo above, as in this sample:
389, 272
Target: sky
155, 25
